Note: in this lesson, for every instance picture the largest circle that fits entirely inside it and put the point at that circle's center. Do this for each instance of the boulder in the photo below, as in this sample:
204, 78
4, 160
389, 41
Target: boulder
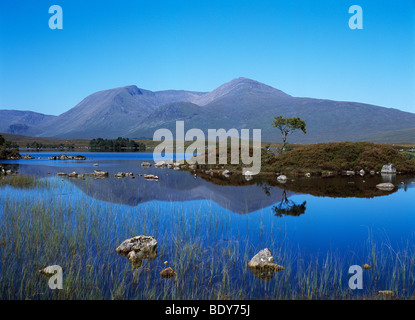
386, 186
388, 169
73, 175
262, 265
308, 174
138, 248
27, 157
79, 157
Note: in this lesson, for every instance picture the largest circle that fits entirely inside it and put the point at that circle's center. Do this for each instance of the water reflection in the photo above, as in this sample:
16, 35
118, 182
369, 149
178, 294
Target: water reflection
288, 207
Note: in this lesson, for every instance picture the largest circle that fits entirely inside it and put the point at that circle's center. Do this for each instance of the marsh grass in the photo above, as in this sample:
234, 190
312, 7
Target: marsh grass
22, 181
58, 224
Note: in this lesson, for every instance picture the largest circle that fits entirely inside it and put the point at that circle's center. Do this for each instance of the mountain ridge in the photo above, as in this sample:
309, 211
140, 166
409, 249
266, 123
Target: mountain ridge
134, 112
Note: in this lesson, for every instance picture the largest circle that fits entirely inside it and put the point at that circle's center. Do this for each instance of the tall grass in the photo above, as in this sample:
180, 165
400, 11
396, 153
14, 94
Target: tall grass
58, 224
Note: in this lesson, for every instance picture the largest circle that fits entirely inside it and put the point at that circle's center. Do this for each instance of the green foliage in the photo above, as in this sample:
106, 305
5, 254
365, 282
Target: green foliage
116, 145
7, 148
288, 126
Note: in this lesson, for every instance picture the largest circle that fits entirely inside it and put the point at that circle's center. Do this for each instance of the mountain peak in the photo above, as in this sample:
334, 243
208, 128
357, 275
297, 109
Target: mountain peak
239, 86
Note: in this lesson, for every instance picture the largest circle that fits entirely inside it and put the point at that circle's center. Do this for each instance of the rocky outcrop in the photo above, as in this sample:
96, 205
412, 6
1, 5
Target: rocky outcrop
145, 164
27, 157
262, 265
388, 169
137, 249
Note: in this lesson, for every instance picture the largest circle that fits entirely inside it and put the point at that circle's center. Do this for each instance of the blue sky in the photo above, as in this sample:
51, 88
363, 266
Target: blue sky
304, 48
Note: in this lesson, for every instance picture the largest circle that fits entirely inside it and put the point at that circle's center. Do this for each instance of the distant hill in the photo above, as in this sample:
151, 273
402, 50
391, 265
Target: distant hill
22, 122
241, 103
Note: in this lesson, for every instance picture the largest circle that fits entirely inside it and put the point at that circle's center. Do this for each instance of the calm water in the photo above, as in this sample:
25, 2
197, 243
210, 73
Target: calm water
341, 224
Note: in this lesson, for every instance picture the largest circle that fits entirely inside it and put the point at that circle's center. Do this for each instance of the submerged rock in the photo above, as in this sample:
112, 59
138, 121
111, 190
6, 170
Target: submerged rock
366, 266
168, 273
262, 265
137, 249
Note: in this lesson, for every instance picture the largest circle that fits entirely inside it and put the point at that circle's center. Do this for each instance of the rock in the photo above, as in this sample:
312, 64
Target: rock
27, 157
388, 169
362, 172
386, 292
192, 167
79, 157
63, 157
137, 249
52, 158
73, 175
262, 265
61, 174
151, 177
88, 266
227, 173
308, 175
166, 263
129, 174
350, 173
372, 172
386, 186
95, 164
160, 164
119, 175
50, 270
100, 174
366, 266
282, 178
145, 164
168, 273
134, 259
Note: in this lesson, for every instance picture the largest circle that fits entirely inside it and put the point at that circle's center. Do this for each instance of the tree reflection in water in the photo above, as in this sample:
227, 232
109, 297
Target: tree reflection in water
288, 207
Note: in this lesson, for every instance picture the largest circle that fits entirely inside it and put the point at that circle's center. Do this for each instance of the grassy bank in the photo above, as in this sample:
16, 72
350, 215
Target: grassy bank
339, 156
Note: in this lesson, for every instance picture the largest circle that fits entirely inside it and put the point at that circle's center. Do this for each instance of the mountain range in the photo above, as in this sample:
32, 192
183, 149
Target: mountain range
241, 103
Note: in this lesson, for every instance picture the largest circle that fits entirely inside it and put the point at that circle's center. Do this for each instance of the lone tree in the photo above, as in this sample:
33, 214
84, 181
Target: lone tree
287, 126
